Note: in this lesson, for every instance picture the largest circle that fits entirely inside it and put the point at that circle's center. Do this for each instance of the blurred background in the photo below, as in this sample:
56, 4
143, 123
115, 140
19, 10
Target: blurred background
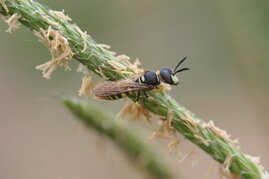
227, 47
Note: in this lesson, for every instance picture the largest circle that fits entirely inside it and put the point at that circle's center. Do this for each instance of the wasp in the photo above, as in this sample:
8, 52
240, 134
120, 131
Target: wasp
137, 83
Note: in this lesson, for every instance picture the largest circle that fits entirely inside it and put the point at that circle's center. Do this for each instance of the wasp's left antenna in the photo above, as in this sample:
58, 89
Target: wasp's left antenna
183, 69
180, 63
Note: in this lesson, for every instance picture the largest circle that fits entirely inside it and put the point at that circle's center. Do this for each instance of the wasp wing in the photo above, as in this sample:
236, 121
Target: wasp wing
135, 76
117, 88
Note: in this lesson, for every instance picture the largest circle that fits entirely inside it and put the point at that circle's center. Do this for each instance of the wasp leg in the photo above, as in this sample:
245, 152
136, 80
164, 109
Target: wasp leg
145, 94
137, 97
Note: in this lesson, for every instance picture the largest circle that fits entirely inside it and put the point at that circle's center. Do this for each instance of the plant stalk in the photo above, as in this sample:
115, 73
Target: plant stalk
94, 117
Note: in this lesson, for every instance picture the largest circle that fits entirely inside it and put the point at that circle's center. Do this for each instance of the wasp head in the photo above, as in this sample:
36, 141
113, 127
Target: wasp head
168, 75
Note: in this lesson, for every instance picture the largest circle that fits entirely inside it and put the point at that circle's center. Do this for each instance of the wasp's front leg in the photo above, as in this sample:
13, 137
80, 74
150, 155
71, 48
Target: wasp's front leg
145, 94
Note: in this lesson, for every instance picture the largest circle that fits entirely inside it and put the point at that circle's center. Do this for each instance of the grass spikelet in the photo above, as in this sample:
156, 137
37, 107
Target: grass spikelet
84, 36
50, 21
86, 86
101, 73
3, 3
227, 163
59, 49
124, 58
83, 69
135, 111
209, 171
165, 130
116, 65
60, 15
221, 133
13, 22
105, 46
201, 139
187, 156
173, 144
256, 160
223, 175
135, 67
225, 168
190, 123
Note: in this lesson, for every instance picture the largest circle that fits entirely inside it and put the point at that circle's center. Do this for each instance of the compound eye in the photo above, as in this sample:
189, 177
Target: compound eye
166, 75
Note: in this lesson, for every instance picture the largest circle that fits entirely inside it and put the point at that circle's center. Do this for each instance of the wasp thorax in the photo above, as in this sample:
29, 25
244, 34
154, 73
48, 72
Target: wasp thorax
167, 76
150, 78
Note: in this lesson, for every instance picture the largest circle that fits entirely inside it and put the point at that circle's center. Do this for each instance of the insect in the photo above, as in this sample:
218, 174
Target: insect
137, 83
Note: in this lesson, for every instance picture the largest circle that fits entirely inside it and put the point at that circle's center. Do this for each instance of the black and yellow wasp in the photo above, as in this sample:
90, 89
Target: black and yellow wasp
137, 83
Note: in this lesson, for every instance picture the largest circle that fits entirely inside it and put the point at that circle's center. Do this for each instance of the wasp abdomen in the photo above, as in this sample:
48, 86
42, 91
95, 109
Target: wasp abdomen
114, 97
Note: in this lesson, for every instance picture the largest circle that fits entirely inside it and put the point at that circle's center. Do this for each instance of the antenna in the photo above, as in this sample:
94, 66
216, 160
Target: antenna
183, 69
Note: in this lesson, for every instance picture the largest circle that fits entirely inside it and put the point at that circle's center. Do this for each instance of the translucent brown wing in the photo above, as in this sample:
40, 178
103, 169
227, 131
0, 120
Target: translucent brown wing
117, 89
135, 76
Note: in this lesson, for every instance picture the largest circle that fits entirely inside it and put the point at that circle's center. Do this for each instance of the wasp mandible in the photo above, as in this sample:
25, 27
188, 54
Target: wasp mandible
137, 83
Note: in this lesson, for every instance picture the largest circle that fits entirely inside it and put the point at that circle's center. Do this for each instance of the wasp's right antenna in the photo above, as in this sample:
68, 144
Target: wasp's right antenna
180, 63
